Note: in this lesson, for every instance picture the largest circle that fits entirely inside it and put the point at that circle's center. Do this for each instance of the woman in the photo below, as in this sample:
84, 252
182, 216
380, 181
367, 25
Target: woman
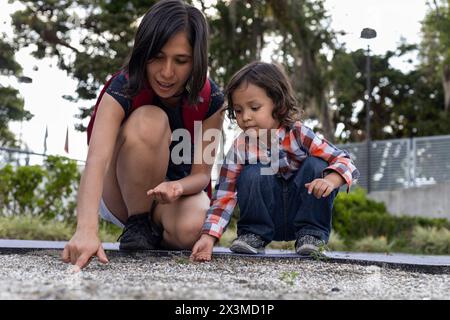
129, 151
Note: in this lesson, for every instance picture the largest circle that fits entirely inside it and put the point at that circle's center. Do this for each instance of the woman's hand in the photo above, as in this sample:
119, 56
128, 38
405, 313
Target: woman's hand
166, 192
202, 250
80, 249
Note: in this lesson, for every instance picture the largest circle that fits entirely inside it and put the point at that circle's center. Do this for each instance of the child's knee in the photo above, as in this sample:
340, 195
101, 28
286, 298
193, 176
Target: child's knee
253, 174
314, 165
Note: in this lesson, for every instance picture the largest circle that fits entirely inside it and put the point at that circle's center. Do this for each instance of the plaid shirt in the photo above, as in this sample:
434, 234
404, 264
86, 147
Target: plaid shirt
295, 144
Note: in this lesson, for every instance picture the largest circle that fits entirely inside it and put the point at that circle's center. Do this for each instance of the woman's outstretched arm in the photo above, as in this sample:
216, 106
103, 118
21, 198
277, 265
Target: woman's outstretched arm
86, 243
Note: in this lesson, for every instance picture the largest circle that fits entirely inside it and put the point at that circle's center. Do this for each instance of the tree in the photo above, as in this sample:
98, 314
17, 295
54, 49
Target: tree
11, 104
296, 31
435, 46
91, 39
240, 30
403, 104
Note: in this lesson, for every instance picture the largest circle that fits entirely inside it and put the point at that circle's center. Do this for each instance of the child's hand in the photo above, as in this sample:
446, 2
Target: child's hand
203, 248
166, 192
320, 188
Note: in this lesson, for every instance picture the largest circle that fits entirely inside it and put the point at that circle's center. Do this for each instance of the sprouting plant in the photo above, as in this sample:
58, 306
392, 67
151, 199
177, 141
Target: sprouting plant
182, 260
289, 277
319, 255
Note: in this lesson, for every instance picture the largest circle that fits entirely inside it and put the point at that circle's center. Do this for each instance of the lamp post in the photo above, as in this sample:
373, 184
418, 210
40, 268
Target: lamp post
368, 33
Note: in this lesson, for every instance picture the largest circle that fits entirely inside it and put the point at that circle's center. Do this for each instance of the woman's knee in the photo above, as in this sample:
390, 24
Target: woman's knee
184, 222
185, 234
148, 124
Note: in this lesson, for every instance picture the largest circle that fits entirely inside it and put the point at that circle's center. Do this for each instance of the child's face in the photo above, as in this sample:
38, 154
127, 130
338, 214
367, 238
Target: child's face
253, 108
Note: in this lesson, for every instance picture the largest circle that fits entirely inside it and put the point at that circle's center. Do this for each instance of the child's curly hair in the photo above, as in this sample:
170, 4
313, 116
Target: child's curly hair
272, 78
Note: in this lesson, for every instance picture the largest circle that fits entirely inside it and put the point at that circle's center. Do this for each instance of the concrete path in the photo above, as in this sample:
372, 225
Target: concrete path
419, 263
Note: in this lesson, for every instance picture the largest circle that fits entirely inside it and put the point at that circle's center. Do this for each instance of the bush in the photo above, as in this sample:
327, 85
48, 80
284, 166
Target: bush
48, 191
430, 240
371, 244
336, 243
355, 217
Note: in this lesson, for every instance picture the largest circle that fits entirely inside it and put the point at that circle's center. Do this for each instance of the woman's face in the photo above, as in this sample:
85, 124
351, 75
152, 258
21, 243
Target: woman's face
169, 70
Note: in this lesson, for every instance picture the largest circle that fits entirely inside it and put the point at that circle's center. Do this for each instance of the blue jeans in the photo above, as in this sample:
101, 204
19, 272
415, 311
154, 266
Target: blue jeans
279, 209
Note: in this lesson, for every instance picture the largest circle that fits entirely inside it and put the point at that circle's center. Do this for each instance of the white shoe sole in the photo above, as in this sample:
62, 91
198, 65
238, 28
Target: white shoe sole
242, 247
308, 249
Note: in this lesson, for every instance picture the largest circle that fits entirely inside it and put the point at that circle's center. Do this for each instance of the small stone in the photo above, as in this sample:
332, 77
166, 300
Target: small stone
335, 289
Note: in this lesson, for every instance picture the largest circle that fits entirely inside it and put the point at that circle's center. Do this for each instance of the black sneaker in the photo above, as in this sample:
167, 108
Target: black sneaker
248, 243
309, 245
140, 234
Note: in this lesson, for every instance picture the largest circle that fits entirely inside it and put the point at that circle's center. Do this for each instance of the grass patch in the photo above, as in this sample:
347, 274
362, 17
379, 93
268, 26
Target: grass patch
431, 240
336, 243
421, 240
38, 228
34, 228
372, 244
289, 277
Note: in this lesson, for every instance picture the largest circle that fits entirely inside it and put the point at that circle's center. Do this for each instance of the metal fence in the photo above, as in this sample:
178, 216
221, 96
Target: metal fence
394, 164
17, 157
402, 163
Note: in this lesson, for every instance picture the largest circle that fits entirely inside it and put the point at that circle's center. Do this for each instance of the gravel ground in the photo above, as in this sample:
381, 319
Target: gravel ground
42, 275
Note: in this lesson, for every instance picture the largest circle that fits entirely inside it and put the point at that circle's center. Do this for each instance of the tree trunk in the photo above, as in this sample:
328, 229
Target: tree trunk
446, 86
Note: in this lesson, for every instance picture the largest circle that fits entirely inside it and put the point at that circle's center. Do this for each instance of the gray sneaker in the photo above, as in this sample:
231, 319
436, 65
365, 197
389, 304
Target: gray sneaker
309, 245
248, 243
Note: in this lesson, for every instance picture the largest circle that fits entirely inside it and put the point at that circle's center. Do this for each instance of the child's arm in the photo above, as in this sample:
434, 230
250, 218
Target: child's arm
219, 214
339, 161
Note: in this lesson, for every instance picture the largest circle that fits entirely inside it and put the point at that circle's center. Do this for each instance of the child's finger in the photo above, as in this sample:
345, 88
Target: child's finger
311, 187
321, 190
329, 191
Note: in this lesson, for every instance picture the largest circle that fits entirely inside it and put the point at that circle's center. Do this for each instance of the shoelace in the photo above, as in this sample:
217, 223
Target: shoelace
252, 239
136, 225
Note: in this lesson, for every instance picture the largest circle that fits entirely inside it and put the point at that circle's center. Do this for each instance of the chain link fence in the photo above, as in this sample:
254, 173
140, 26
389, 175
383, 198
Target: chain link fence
17, 157
394, 164
402, 163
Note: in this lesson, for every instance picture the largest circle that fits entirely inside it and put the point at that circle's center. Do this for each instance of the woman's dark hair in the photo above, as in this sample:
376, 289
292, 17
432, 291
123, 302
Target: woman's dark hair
273, 80
162, 21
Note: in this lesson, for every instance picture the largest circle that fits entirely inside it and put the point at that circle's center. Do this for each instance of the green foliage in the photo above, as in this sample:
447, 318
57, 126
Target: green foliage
8, 64
48, 191
26, 227
435, 49
355, 217
430, 240
371, 244
11, 104
336, 243
403, 104
289, 277
105, 30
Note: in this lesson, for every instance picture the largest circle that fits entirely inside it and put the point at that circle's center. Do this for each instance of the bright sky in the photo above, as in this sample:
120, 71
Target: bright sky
392, 19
